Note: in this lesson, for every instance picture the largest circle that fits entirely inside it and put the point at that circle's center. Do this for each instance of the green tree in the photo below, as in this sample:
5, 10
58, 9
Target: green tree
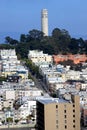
11, 40
6, 46
16, 121
65, 33
36, 34
8, 39
14, 42
22, 49
81, 45
23, 38
74, 46
33, 68
56, 33
9, 119
59, 42
2, 78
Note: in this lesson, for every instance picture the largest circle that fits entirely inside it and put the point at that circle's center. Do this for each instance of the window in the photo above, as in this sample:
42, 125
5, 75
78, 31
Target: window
65, 126
74, 126
57, 126
74, 121
73, 105
56, 121
64, 111
65, 116
56, 106
73, 115
65, 121
73, 110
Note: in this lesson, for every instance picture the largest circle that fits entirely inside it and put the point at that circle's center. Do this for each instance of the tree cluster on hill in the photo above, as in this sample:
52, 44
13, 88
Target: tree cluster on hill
59, 42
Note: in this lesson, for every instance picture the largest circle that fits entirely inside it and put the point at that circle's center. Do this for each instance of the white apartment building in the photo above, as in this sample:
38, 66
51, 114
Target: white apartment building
83, 86
37, 56
2, 116
9, 61
9, 94
1, 105
28, 93
73, 75
83, 75
27, 109
22, 71
54, 76
11, 65
8, 54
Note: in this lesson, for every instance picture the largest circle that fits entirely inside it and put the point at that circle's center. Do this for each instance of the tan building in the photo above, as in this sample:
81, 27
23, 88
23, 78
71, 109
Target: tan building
37, 56
58, 114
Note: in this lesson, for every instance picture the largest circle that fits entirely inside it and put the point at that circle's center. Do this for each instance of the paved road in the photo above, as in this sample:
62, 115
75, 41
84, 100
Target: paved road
39, 84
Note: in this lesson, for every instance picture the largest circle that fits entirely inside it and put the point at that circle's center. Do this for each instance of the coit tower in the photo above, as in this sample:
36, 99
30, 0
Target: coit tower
44, 21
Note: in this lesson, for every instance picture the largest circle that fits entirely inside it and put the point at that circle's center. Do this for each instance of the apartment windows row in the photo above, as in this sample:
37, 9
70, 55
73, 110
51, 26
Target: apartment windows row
65, 106
64, 121
65, 116
64, 126
65, 111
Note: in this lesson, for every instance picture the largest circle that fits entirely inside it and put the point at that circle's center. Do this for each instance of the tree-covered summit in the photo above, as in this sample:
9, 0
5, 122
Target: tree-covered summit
59, 42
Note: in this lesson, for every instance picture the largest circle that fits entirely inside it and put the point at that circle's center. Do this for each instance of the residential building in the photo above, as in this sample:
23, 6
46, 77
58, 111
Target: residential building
58, 114
28, 108
9, 94
8, 104
28, 93
9, 61
77, 58
10, 65
38, 57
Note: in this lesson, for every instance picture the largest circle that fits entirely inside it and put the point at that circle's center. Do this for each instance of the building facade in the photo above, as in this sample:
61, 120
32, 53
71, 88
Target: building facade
37, 56
58, 114
77, 58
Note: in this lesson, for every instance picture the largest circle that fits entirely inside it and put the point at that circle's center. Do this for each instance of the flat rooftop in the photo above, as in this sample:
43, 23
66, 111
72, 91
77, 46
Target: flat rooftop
52, 100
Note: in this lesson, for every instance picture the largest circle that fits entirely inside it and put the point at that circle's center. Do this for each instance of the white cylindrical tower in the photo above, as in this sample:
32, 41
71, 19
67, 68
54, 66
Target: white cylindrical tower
44, 21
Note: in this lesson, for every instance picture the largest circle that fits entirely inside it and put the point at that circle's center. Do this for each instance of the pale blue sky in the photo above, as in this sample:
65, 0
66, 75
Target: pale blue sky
20, 16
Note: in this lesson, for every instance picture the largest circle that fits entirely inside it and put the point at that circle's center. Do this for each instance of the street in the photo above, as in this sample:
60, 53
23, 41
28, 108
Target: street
39, 83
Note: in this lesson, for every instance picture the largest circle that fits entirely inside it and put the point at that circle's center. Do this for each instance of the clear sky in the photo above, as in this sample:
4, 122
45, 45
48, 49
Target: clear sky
20, 16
